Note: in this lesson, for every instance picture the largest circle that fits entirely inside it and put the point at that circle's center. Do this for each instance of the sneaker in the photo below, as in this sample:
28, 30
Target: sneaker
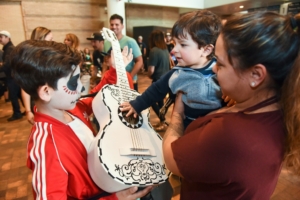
15, 117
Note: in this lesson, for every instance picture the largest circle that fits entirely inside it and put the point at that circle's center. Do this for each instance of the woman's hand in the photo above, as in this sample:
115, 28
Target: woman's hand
30, 117
132, 194
127, 107
228, 100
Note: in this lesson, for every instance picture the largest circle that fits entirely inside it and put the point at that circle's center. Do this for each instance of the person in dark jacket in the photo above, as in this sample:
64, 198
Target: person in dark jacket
13, 89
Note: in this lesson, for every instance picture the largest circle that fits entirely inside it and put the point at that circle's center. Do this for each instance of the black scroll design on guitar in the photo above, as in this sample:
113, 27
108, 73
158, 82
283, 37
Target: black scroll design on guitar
130, 121
140, 169
116, 94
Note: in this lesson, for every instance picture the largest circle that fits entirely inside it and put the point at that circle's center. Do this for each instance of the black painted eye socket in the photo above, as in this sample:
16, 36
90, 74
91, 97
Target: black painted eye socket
72, 83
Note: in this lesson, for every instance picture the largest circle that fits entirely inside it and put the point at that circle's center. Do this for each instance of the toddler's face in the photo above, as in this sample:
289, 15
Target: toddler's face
187, 52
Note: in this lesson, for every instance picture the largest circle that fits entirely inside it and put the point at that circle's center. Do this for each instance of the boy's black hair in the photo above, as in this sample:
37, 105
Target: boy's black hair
203, 26
36, 63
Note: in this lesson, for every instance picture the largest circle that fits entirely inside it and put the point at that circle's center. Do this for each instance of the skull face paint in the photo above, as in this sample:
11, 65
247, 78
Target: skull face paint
68, 91
72, 83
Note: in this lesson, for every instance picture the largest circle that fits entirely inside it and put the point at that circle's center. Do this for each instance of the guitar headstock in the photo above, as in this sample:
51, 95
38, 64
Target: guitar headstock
109, 35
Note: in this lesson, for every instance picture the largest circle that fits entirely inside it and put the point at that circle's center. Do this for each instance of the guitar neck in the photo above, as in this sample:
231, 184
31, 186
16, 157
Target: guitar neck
122, 80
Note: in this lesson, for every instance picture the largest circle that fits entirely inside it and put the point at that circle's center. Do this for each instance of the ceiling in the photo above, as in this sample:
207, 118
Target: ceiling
235, 7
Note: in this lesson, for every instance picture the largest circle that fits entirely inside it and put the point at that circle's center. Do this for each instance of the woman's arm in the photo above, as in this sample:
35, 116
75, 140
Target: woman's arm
150, 71
174, 131
26, 101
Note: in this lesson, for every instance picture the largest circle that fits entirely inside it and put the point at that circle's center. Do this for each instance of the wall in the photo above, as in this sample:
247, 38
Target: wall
212, 3
142, 15
81, 17
62, 17
12, 21
195, 4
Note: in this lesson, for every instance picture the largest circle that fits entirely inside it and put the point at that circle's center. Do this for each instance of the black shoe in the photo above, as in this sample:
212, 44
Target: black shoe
15, 117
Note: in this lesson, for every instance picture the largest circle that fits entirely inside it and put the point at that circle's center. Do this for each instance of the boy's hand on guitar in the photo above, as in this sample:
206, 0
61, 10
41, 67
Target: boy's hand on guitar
228, 100
127, 107
133, 193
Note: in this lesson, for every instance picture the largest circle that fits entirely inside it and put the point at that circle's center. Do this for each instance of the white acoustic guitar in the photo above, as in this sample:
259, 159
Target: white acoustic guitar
127, 151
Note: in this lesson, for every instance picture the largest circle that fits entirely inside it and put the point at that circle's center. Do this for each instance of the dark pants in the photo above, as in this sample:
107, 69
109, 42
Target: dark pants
135, 86
145, 63
156, 107
14, 92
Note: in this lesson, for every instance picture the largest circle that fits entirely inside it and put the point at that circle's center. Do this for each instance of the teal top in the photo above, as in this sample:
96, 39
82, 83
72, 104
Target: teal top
132, 44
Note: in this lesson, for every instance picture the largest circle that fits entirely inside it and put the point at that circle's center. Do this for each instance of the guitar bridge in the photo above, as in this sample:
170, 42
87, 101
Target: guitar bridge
136, 152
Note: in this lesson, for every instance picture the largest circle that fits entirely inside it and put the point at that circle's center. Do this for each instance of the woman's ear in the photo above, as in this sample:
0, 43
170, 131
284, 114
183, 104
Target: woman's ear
208, 49
45, 93
258, 74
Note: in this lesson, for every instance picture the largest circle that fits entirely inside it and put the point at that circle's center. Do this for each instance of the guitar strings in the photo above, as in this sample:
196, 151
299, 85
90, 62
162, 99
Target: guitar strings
136, 138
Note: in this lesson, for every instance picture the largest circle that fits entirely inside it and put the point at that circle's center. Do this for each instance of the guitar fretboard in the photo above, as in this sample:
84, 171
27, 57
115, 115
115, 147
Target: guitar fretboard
122, 80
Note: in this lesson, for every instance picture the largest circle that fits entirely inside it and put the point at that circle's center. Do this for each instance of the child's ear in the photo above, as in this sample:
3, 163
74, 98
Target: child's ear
45, 93
208, 49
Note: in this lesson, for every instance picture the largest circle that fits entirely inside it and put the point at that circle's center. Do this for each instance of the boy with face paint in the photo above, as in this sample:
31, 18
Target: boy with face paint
61, 135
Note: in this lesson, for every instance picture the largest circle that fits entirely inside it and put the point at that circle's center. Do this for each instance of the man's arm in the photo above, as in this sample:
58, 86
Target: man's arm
150, 70
137, 66
144, 51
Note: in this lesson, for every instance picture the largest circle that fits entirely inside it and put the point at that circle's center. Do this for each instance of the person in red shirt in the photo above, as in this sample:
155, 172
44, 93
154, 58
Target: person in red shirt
61, 135
110, 76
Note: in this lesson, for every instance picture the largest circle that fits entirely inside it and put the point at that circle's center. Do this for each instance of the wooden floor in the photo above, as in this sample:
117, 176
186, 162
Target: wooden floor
15, 178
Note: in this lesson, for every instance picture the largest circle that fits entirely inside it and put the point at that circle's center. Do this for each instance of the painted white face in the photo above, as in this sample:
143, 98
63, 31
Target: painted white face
187, 52
68, 91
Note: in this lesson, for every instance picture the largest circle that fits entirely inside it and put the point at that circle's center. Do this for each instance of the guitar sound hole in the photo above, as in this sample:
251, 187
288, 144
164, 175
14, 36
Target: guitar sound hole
130, 119
130, 122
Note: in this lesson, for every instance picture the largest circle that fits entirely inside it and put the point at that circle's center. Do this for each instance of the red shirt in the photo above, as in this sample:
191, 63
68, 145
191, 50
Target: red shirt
110, 77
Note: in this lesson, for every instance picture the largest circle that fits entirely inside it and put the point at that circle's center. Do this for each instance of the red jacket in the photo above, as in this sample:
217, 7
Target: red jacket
110, 77
57, 156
